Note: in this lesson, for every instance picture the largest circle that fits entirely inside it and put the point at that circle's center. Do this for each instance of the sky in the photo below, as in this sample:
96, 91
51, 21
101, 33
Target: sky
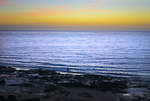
74, 14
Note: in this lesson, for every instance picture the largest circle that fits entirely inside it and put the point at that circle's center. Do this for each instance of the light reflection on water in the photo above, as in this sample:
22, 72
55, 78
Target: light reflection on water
111, 53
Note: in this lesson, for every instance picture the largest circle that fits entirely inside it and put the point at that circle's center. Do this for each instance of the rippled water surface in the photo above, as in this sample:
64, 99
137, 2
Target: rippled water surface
112, 53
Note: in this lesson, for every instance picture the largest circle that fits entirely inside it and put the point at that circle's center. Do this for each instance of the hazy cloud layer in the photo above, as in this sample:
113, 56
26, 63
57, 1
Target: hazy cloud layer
130, 13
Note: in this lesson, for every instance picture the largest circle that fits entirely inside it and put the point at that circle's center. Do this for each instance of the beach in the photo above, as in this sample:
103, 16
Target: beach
74, 50
48, 85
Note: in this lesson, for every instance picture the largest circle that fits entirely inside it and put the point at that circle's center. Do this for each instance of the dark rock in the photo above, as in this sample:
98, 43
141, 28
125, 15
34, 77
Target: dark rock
12, 98
115, 86
86, 94
45, 78
50, 88
64, 92
2, 82
13, 85
46, 96
43, 72
22, 85
25, 85
95, 77
31, 99
7, 69
73, 84
2, 98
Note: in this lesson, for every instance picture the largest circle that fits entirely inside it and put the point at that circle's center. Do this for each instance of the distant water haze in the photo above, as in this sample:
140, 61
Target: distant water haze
106, 53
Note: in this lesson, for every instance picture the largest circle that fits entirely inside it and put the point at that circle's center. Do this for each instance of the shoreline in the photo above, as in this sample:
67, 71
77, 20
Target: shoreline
59, 86
80, 73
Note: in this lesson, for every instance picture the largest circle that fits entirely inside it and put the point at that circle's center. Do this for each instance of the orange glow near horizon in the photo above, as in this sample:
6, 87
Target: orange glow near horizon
62, 15
73, 17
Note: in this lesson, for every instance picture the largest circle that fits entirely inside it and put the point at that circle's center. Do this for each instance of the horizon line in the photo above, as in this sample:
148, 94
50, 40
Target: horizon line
84, 30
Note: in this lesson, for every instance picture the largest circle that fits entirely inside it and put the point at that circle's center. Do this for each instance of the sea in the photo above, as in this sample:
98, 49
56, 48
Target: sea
122, 54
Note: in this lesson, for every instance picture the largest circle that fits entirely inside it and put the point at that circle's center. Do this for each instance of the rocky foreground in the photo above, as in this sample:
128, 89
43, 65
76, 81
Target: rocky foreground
47, 85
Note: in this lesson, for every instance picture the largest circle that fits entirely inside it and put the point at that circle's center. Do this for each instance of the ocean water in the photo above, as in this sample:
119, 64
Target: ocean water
104, 53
